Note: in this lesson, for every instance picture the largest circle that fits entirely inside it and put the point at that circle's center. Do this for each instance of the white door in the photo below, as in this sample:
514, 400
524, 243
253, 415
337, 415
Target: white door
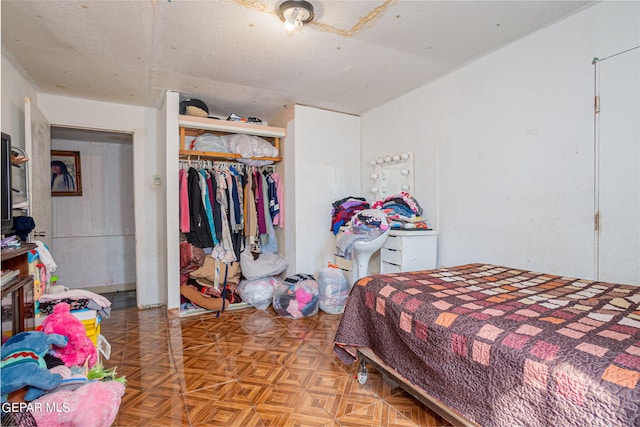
619, 171
38, 147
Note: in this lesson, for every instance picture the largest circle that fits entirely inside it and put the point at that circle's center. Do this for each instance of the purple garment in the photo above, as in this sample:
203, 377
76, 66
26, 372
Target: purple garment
262, 223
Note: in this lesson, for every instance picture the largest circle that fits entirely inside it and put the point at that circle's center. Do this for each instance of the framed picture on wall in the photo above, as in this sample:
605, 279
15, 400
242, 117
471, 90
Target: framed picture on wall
66, 179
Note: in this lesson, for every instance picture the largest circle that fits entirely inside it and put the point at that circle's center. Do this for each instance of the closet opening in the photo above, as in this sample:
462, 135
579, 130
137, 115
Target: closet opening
93, 234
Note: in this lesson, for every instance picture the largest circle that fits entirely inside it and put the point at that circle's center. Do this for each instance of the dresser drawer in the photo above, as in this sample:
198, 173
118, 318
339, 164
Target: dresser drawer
387, 267
392, 256
393, 242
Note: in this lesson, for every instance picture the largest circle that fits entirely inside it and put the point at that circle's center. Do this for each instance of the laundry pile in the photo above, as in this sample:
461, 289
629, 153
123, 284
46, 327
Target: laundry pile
364, 226
403, 211
344, 209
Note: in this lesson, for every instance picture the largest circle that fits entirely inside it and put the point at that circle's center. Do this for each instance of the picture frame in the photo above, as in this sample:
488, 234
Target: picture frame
66, 178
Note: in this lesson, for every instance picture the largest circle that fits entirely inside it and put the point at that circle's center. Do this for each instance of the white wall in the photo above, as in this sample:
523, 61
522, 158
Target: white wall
148, 160
322, 152
97, 227
504, 148
14, 89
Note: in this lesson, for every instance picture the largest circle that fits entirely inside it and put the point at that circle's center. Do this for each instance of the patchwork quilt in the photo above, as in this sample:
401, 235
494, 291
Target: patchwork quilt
503, 346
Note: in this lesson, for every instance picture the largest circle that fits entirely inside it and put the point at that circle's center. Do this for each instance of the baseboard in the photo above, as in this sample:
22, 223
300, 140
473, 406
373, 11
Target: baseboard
107, 289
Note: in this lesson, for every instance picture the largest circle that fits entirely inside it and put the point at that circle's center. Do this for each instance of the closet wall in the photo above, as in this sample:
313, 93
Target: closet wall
321, 165
97, 227
505, 146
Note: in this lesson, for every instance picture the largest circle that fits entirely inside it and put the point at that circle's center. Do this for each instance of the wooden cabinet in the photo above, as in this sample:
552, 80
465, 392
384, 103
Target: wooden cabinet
409, 250
17, 293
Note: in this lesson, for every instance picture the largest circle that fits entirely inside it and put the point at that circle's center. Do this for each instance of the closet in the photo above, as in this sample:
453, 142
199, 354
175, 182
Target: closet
227, 178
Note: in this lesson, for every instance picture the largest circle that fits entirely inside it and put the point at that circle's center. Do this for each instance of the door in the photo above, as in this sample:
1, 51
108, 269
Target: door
619, 169
38, 147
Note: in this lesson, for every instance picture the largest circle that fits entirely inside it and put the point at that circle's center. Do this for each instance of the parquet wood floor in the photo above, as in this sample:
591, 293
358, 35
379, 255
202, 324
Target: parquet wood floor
246, 368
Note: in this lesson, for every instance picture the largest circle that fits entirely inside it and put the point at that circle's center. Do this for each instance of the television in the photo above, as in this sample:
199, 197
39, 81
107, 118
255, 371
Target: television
7, 192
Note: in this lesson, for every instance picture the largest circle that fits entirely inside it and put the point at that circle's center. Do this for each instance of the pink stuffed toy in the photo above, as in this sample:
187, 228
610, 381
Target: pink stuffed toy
79, 347
95, 404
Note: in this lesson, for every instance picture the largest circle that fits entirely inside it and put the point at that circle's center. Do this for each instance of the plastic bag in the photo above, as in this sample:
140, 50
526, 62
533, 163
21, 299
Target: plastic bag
265, 265
259, 292
296, 300
334, 289
210, 142
249, 146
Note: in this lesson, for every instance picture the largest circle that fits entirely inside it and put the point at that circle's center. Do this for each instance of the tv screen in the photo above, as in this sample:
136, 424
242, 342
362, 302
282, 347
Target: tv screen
7, 210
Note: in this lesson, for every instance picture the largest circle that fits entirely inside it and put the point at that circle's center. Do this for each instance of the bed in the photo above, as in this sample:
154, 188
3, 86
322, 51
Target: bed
497, 346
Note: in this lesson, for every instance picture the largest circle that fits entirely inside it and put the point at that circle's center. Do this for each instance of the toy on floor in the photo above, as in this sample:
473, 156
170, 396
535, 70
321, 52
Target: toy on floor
80, 348
23, 363
95, 404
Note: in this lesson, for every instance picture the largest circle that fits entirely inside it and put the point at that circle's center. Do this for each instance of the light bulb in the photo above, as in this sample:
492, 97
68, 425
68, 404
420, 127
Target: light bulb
396, 157
380, 161
405, 187
374, 176
374, 190
404, 172
387, 159
292, 21
404, 156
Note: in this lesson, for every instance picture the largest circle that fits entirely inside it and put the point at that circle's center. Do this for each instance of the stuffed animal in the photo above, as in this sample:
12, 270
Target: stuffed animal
79, 348
95, 404
23, 363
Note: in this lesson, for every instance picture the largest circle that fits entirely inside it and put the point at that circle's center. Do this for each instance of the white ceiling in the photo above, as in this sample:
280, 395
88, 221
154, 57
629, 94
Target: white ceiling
236, 56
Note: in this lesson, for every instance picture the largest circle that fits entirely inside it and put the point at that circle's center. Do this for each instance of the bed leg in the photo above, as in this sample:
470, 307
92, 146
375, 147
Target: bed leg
363, 374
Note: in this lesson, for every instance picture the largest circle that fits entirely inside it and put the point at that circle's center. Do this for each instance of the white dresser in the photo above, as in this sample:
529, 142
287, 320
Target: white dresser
409, 250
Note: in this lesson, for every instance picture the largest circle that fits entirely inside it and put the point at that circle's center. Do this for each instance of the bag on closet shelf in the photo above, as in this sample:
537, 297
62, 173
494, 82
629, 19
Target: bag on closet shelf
210, 142
259, 292
249, 146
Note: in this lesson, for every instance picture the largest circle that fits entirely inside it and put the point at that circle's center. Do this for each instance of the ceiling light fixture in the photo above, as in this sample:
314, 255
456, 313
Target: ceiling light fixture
295, 13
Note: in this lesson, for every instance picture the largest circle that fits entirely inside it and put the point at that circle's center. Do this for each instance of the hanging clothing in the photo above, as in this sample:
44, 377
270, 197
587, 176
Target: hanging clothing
207, 204
224, 249
278, 218
272, 196
185, 225
200, 233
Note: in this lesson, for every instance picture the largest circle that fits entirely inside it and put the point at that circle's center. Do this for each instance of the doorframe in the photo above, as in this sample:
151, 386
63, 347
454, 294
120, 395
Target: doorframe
134, 134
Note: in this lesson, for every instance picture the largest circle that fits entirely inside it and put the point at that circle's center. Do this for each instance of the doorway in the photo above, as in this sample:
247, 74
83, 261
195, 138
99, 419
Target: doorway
93, 233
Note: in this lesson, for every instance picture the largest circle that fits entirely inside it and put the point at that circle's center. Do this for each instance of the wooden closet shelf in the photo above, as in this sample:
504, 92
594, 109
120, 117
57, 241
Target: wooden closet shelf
191, 122
195, 126
210, 155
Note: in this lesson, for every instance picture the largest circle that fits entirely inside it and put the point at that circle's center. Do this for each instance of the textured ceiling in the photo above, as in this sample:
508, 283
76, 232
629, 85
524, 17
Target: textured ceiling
237, 57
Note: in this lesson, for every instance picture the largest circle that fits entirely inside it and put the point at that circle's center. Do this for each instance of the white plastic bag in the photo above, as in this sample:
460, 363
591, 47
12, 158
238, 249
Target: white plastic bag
265, 265
249, 146
334, 290
210, 142
259, 292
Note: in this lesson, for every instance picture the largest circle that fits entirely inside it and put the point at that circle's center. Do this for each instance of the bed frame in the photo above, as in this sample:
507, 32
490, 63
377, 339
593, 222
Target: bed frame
366, 355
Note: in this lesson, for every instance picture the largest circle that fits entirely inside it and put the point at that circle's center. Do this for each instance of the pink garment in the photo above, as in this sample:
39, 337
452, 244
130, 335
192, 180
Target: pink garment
303, 297
278, 219
185, 224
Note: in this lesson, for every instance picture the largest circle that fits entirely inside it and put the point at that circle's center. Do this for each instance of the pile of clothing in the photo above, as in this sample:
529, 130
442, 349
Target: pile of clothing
344, 209
403, 211
297, 296
365, 225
